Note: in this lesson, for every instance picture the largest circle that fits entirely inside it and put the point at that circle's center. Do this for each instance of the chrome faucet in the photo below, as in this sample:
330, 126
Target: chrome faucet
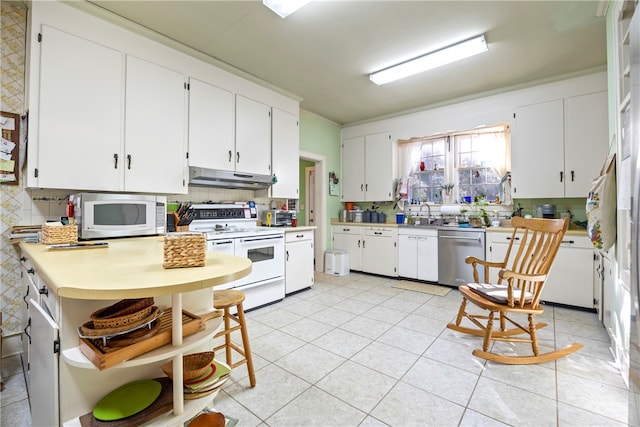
428, 211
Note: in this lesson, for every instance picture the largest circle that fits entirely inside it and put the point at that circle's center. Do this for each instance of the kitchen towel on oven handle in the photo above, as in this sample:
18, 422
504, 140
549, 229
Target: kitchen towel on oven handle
601, 207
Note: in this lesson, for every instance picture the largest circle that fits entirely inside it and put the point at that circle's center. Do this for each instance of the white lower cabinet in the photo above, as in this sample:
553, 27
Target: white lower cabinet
299, 260
570, 281
372, 249
418, 254
43, 369
380, 251
349, 238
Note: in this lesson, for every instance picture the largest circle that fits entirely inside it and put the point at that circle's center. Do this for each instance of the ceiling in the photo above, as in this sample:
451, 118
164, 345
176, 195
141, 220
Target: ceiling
324, 52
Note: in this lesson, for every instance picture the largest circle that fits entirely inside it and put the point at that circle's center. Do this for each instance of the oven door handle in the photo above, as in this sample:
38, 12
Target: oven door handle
260, 239
261, 283
222, 242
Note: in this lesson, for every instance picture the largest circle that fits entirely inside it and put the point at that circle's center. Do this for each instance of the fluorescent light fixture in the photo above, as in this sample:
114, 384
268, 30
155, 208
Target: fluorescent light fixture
284, 8
431, 60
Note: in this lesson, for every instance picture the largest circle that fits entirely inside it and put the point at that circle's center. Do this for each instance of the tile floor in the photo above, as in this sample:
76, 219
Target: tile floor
353, 351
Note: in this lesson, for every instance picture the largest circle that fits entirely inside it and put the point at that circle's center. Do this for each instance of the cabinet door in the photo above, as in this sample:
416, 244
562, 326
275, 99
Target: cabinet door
537, 151
408, 256
299, 266
428, 258
285, 155
155, 144
571, 278
379, 255
43, 391
79, 122
378, 165
353, 244
586, 143
353, 170
211, 142
497, 245
253, 136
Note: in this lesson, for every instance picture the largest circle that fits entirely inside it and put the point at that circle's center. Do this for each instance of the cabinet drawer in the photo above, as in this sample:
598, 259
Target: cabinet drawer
49, 301
576, 242
298, 236
29, 272
346, 229
380, 232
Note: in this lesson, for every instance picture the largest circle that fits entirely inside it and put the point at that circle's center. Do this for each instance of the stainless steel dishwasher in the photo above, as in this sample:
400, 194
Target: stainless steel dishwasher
453, 247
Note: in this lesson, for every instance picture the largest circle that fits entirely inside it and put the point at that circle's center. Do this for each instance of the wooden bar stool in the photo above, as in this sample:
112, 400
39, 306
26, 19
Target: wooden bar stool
224, 300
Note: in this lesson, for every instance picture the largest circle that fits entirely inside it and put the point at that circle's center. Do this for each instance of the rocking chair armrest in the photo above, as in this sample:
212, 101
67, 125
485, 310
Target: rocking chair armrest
487, 264
509, 274
472, 260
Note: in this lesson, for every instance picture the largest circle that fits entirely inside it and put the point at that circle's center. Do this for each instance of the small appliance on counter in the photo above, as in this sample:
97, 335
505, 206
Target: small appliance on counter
277, 218
105, 215
546, 211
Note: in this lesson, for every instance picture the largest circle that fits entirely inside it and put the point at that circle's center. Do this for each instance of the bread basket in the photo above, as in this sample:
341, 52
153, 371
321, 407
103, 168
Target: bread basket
193, 365
122, 313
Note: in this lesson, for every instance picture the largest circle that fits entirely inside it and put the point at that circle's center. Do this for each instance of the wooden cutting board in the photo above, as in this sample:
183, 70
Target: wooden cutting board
104, 357
162, 404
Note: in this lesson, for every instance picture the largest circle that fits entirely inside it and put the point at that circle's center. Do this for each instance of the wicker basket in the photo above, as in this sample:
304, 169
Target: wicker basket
59, 234
193, 365
122, 313
184, 250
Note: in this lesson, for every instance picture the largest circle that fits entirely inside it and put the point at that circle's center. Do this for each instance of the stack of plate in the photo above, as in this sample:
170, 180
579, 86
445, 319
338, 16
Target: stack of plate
213, 378
199, 379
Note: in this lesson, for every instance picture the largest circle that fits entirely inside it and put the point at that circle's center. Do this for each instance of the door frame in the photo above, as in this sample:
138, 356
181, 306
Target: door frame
320, 235
307, 192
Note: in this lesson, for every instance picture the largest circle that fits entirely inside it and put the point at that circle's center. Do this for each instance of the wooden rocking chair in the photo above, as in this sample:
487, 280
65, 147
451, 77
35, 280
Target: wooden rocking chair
517, 292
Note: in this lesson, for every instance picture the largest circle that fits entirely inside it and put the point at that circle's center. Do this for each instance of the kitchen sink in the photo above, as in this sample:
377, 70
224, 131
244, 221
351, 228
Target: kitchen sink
432, 223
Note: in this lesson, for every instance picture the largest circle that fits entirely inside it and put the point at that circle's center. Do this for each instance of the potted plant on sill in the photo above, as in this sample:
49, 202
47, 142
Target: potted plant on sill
478, 216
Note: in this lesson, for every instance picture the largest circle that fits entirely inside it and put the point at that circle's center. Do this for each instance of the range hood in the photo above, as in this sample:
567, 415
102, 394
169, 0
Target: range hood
228, 179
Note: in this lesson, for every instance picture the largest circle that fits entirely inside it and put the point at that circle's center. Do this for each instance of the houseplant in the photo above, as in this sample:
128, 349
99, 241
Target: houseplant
478, 216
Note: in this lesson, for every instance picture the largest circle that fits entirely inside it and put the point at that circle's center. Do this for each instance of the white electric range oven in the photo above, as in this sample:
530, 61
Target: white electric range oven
230, 230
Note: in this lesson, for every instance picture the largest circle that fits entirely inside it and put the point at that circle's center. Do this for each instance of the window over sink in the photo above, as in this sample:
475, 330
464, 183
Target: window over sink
447, 168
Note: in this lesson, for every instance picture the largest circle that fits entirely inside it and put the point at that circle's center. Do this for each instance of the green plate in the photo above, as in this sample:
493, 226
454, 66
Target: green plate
127, 400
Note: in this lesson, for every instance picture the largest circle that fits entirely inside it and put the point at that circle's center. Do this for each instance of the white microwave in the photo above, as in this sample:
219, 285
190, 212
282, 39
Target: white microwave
105, 215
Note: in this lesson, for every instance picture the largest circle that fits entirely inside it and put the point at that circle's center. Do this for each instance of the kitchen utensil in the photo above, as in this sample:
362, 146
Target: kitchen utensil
382, 217
374, 217
366, 216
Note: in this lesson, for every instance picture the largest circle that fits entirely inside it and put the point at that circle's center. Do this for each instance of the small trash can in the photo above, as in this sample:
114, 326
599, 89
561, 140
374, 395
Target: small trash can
336, 262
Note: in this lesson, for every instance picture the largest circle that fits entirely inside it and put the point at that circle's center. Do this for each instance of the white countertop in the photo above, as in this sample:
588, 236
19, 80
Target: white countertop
127, 268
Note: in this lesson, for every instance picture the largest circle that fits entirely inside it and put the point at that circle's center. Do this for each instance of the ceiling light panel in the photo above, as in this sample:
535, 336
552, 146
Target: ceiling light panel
284, 8
431, 60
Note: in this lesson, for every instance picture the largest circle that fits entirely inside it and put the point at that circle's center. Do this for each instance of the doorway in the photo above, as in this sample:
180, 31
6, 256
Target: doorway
316, 203
310, 194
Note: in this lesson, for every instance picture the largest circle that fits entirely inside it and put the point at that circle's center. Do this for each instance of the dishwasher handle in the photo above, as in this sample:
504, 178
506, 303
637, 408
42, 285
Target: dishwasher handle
478, 239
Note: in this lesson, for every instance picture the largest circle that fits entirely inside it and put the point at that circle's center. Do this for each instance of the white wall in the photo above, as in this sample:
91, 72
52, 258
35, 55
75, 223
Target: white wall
487, 111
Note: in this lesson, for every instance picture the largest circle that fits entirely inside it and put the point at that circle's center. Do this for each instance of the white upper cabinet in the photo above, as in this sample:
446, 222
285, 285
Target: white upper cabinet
155, 141
81, 141
368, 169
353, 169
285, 146
211, 129
109, 110
76, 131
586, 143
253, 136
538, 150
559, 146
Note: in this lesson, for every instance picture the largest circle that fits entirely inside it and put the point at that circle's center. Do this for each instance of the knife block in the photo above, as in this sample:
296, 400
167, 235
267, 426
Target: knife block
176, 220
